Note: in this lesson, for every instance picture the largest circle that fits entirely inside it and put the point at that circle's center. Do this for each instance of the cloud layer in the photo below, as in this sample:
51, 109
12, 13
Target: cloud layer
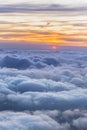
43, 89
26, 8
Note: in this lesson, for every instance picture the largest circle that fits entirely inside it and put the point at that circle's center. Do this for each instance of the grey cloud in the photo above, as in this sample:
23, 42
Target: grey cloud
23, 121
11, 62
33, 60
80, 123
14, 62
25, 8
75, 39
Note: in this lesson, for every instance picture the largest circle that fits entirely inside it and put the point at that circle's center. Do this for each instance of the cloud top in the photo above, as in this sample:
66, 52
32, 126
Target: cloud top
43, 90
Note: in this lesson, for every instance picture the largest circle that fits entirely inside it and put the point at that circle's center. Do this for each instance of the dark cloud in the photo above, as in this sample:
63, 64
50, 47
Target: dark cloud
11, 62
31, 60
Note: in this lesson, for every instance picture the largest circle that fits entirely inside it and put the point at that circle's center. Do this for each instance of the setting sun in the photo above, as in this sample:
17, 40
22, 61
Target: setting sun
54, 47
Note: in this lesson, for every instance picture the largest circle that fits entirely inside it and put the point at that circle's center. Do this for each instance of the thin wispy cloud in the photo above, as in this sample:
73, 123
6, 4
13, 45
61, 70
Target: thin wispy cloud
37, 21
26, 8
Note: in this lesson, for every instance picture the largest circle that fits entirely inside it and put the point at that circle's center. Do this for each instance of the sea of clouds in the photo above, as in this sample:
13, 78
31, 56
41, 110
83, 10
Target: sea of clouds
43, 90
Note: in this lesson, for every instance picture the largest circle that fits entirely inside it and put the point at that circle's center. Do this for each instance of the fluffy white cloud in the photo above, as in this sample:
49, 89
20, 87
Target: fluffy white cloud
23, 121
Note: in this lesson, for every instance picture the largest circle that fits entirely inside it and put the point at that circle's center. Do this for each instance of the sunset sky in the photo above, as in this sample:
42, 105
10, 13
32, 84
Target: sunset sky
56, 22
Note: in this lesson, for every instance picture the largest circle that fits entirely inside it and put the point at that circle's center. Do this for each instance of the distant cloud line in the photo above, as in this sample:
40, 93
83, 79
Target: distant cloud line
25, 8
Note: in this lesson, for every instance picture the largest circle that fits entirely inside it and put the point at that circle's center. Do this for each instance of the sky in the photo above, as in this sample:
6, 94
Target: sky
43, 22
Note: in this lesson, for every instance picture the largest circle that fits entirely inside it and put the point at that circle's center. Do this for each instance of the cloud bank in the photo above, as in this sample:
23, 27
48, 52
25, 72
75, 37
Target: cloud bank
43, 89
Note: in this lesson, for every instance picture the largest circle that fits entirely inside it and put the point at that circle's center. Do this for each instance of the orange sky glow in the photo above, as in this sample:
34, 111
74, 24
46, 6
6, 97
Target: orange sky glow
64, 26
